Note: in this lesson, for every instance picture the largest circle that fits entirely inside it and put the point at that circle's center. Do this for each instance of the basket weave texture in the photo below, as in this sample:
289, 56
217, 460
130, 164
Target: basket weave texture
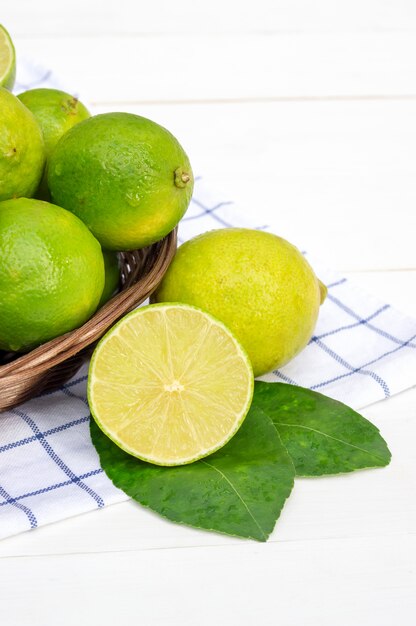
53, 363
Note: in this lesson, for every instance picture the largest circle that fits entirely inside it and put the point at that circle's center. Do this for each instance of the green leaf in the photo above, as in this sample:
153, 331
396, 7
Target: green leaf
322, 436
239, 490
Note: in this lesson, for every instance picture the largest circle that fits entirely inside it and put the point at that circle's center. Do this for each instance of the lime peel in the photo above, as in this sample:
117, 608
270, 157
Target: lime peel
128, 201
51, 273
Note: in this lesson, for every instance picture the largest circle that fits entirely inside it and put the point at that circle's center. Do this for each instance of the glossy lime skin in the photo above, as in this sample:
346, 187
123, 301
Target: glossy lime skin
56, 112
51, 273
118, 172
22, 150
257, 284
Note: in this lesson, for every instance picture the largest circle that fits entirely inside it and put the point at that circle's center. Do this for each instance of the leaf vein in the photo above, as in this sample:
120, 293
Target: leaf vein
320, 432
239, 496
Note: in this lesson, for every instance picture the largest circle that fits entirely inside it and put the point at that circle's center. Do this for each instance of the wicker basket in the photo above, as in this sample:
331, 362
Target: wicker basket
53, 363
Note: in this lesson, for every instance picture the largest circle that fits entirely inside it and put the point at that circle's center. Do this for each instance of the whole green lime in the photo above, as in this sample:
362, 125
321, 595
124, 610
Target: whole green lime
22, 150
112, 276
257, 284
51, 273
56, 112
125, 176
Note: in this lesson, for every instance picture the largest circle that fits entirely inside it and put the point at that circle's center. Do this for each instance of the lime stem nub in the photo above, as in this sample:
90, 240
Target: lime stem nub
182, 178
323, 290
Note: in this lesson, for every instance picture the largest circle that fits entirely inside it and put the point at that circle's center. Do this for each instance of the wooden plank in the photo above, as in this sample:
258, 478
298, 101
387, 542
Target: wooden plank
348, 581
187, 16
231, 66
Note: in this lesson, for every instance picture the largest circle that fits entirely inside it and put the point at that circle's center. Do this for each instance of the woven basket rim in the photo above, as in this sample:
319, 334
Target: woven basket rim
52, 353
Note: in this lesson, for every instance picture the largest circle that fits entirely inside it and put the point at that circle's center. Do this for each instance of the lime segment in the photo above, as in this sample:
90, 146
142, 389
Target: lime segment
7, 60
169, 384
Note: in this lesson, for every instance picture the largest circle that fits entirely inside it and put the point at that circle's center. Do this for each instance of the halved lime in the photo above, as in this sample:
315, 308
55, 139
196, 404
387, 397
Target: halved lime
7, 60
169, 384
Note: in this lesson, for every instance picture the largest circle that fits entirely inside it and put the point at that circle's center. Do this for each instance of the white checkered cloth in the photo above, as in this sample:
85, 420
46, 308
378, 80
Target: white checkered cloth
363, 351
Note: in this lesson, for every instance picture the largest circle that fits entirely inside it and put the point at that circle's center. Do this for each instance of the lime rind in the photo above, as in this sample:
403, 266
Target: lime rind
127, 203
60, 274
202, 453
22, 149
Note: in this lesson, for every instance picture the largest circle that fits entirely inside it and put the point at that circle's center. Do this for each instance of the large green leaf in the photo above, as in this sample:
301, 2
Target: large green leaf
239, 490
322, 436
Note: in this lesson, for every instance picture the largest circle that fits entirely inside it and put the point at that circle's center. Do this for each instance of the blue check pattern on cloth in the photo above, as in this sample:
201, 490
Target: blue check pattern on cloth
362, 351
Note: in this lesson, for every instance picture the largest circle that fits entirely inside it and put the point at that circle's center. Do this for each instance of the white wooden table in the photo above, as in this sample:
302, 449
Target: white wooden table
305, 112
